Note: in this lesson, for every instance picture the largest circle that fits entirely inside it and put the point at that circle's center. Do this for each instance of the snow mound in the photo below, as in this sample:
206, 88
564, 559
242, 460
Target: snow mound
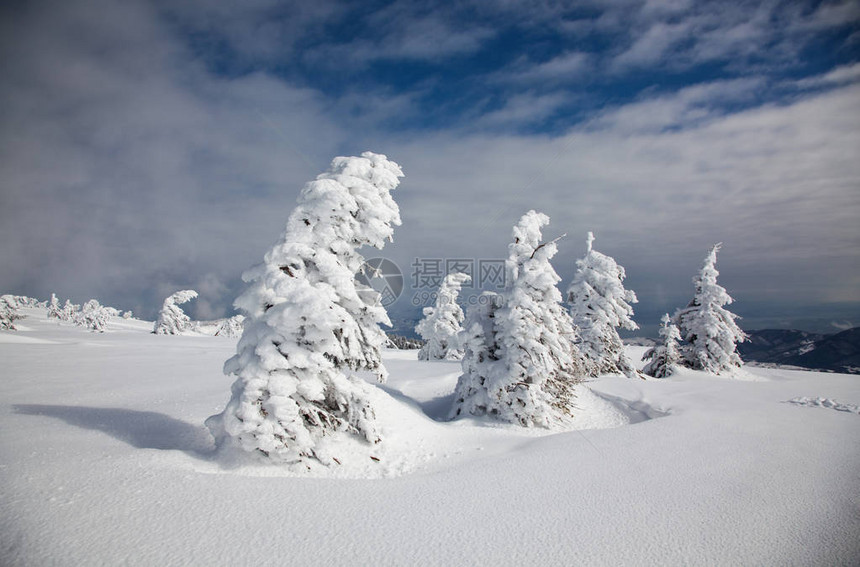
630, 411
824, 403
418, 439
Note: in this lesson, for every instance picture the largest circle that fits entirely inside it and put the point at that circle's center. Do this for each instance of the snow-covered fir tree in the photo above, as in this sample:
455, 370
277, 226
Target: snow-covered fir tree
230, 327
93, 316
9, 312
520, 363
664, 357
26, 301
112, 311
400, 342
69, 311
54, 309
709, 330
599, 304
441, 323
306, 326
172, 320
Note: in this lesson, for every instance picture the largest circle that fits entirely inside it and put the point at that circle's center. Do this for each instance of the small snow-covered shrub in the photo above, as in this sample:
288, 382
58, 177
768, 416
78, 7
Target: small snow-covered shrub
400, 342
9, 312
441, 323
230, 327
664, 357
599, 304
23, 301
709, 329
93, 316
171, 319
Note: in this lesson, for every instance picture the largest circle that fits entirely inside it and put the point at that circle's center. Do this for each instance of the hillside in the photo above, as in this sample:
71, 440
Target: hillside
104, 460
838, 352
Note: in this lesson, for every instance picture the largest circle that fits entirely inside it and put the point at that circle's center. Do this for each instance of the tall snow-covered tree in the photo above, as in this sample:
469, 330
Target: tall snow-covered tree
709, 330
93, 316
9, 312
520, 362
441, 323
664, 357
599, 304
172, 320
306, 325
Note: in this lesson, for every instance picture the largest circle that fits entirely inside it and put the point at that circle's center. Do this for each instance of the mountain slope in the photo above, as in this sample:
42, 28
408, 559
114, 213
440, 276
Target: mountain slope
839, 352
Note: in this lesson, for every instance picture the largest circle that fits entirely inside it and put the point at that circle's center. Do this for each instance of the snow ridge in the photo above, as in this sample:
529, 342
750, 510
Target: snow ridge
824, 403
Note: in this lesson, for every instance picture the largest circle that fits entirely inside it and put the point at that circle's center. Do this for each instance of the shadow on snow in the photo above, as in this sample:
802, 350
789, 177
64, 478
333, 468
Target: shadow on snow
636, 411
436, 409
140, 429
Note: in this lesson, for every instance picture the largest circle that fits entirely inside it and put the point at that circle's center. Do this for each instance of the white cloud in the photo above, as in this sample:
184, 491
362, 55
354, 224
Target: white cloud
125, 163
777, 184
126, 166
842, 325
402, 35
688, 107
831, 15
674, 36
653, 45
563, 68
520, 110
839, 76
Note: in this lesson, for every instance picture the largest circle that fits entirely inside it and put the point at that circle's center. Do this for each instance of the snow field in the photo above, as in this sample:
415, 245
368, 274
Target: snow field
104, 460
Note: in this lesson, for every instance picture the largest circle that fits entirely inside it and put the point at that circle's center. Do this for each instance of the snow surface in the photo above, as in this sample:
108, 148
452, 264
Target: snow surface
825, 403
104, 460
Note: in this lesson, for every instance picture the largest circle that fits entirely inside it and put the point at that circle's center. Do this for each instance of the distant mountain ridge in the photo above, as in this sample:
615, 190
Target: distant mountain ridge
838, 352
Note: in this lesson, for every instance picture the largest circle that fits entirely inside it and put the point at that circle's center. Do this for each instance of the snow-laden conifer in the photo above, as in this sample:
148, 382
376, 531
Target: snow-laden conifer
664, 357
172, 320
230, 327
520, 363
306, 324
54, 309
709, 330
112, 311
69, 311
442, 323
599, 304
9, 313
93, 316
25, 301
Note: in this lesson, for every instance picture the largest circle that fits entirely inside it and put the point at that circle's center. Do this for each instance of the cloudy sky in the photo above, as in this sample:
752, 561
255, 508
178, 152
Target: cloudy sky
151, 146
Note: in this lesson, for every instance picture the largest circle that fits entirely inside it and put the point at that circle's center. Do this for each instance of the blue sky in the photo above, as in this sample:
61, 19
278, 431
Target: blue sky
150, 146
